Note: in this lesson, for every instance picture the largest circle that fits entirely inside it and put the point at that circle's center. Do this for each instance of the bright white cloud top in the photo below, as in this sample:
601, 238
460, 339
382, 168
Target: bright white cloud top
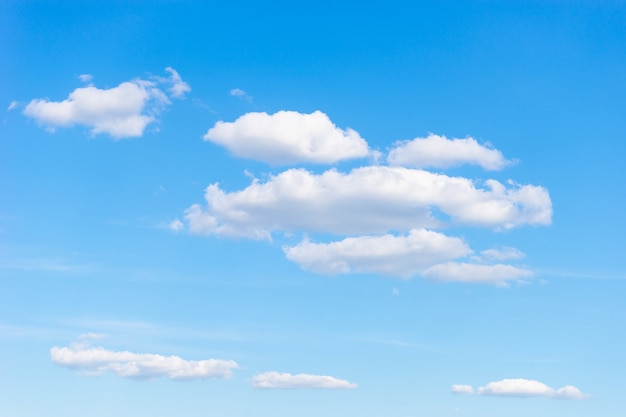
401, 256
120, 112
278, 380
288, 137
440, 152
520, 387
97, 360
374, 199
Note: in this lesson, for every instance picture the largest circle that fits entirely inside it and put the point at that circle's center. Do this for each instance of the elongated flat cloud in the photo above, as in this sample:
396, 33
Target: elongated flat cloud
402, 256
120, 112
373, 199
462, 389
96, 361
529, 388
476, 273
440, 152
288, 137
277, 380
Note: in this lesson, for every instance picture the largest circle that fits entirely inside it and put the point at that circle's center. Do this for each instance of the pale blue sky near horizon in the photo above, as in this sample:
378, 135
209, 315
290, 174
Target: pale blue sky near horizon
98, 248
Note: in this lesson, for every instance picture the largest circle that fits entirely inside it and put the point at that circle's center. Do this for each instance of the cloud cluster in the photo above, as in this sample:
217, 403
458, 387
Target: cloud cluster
380, 218
97, 360
120, 112
287, 137
440, 152
520, 387
277, 380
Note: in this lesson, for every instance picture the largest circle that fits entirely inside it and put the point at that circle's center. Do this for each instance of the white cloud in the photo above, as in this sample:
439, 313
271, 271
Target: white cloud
402, 256
121, 112
288, 137
395, 291
497, 274
462, 389
85, 77
367, 200
13, 105
179, 88
96, 361
504, 253
91, 335
529, 388
238, 92
277, 380
176, 225
440, 152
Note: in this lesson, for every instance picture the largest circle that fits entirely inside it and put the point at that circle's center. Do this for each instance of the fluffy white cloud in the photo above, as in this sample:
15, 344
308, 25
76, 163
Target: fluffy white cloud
288, 137
497, 274
277, 380
440, 152
373, 199
97, 360
178, 87
402, 256
121, 112
462, 389
529, 388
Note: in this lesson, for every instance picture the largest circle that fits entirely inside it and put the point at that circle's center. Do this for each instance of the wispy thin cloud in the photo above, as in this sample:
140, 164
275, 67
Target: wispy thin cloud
238, 92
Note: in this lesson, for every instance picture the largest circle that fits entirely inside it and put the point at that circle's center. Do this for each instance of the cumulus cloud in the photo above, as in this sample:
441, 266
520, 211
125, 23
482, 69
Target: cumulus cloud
178, 87
277, 380
529, 388
401, 256
440, 152
288, 137
368, 200
97, 360
497, 274
462, 389
120, 112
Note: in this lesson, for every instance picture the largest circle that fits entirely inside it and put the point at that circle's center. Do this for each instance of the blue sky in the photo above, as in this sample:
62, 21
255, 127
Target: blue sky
333, 209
